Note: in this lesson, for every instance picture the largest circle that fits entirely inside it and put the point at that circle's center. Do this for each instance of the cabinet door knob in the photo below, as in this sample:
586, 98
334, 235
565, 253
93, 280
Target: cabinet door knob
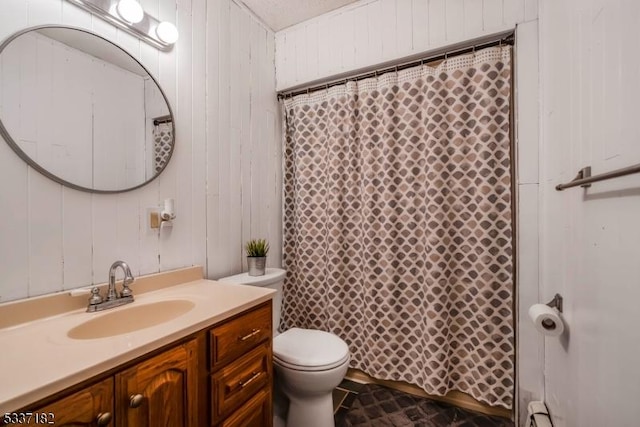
135, 400
104, 419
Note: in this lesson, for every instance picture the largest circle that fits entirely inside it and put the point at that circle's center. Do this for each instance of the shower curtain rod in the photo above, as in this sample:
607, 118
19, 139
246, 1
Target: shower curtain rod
498, 39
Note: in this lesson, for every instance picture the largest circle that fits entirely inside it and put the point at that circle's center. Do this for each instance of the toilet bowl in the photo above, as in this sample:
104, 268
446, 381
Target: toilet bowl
308, 363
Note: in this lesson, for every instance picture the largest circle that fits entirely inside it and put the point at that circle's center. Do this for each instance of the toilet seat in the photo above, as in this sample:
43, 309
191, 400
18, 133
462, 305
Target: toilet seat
309, 350
284, 364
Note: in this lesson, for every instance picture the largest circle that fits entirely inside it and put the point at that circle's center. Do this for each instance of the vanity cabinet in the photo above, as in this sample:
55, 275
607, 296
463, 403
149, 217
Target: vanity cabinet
255, 413
160, 391
220, 376
91, 406
242, 370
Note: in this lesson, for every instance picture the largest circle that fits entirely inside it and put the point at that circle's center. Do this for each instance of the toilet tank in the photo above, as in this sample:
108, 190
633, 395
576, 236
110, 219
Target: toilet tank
273, 279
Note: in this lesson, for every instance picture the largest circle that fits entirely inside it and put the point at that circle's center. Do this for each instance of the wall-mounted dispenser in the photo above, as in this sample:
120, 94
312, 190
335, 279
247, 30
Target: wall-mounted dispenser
168, 212
163, 216
546, 317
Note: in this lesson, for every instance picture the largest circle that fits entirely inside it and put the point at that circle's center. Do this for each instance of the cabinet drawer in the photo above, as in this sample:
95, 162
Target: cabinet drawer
236, 383
236, 337
255, 413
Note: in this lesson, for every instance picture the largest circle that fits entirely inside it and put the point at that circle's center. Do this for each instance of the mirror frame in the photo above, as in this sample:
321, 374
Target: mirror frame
32, 163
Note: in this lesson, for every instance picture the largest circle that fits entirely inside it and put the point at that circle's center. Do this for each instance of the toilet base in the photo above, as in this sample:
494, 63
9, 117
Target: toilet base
280, 404
313, 411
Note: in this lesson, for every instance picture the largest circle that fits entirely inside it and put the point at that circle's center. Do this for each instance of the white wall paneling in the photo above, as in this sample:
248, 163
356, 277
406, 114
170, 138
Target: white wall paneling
77, 215
589, 66
530, 342
199, 125
223, 258
473, 16
242, 156
242, 200
175, 246
454, 11
371, 32
213, 132
224, 174
436, 22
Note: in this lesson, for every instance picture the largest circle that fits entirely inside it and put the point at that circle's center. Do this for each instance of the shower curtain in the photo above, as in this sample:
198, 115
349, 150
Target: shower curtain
398, 228
162, 144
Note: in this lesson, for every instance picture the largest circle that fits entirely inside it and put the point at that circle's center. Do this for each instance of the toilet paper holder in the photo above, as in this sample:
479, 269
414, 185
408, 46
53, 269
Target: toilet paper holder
556, 302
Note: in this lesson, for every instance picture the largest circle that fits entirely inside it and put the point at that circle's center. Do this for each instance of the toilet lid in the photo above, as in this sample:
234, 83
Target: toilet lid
309, 347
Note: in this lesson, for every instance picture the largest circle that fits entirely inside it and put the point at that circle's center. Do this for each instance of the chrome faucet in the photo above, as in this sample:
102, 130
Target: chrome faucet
97, 303
128, 279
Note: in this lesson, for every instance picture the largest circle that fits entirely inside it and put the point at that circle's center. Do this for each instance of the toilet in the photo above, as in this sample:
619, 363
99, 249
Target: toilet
308, 363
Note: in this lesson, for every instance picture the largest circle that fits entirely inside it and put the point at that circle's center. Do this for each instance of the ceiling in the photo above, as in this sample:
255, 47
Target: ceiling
279, 14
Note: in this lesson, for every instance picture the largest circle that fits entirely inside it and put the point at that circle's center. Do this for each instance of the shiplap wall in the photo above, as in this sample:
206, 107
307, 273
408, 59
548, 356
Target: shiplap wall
371, 32
220, 81
589, 244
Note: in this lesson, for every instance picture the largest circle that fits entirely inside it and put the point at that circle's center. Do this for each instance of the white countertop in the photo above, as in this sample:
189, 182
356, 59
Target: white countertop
37, 358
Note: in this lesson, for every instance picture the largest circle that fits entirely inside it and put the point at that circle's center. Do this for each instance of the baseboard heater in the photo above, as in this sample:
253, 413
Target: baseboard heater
538, 415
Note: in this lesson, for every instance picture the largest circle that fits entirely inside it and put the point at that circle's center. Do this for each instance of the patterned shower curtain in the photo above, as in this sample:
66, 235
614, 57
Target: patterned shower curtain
162, 144
398, 229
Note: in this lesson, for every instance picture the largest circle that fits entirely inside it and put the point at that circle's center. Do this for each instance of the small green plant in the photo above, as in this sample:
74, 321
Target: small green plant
257, 248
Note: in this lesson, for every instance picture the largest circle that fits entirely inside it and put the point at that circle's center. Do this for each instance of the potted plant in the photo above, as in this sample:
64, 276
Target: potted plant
257, 250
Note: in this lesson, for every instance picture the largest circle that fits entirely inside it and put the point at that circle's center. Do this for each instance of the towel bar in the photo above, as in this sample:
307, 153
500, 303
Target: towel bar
584, 178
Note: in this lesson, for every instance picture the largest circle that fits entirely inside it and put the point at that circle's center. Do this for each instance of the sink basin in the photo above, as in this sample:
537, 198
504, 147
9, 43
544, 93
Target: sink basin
130, 319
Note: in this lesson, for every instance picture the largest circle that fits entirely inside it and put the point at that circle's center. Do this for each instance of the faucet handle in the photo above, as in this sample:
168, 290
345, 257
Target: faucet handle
126, 291
95, 298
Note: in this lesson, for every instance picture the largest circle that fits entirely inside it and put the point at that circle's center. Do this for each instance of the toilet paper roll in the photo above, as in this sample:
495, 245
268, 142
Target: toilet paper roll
546, 319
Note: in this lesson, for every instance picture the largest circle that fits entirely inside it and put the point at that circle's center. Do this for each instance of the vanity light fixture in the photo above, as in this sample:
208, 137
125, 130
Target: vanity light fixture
131, 17
130, 11
167, 32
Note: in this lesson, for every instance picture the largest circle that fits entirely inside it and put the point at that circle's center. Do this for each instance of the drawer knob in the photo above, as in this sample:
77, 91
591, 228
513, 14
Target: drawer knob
253, 333
104, 419
135, 400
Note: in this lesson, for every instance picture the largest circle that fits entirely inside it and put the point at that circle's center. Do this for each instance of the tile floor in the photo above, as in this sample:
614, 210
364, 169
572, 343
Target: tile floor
371, 405
343, 397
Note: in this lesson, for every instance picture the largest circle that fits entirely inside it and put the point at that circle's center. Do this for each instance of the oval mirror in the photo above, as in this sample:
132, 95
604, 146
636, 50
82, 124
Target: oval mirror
82, 111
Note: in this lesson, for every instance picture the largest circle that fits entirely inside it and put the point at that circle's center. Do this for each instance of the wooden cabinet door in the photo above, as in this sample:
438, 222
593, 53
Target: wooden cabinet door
160, 391
92, 406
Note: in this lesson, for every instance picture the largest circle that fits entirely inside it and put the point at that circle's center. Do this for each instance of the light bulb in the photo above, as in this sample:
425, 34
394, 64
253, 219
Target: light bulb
167, 32
130, 11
